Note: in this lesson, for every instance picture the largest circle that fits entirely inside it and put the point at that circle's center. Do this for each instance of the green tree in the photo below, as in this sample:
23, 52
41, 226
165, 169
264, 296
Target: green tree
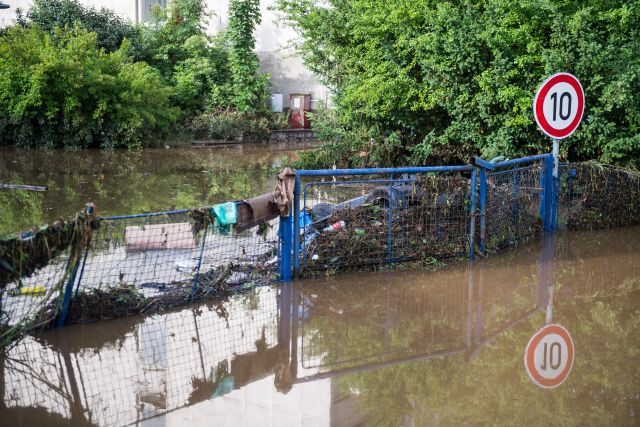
110, 28
430, 81
64, 91
176, 43
249, 89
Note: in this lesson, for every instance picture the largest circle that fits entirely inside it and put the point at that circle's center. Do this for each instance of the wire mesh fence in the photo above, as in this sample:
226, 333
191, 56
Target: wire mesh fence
146, 263
128, 265
513, 206
95, 268
352, 222
593, 195
139, 369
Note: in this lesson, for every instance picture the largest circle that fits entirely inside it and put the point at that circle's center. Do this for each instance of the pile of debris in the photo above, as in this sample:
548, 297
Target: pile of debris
424, 220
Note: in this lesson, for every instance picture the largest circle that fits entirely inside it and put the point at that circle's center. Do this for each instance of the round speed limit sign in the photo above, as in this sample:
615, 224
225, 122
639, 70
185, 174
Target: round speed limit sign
548, 357
559, 105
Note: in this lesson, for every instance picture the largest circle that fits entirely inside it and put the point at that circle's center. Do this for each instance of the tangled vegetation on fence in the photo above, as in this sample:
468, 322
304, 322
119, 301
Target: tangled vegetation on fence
600, 196
429, 223
21, 256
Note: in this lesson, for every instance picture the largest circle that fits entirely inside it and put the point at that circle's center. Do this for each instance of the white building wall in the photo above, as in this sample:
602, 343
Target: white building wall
273, 43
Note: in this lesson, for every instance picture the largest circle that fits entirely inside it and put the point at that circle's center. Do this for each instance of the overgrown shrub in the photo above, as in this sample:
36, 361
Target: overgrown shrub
230, 124
438, 81
64, 91
194, 63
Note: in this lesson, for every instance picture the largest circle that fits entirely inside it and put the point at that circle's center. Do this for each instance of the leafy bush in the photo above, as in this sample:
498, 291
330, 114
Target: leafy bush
63, 91
110, 28
438, 81
249, 89
196, 64
230, 124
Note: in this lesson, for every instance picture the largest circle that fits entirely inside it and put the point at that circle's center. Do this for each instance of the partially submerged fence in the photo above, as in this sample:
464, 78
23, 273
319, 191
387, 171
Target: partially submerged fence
349, 218
95, 268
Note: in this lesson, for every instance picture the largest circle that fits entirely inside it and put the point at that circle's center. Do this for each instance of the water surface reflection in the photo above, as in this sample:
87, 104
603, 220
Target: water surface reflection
127, 182
403, 348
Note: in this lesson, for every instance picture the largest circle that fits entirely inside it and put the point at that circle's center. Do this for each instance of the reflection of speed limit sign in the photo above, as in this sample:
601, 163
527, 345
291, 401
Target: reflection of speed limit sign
559, 105
548, 357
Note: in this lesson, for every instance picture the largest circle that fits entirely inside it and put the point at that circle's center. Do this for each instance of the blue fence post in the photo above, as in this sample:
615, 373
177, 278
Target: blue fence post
61, 318
286, 231
483, 208
472, 226
548, 193
296, 226
484, 166
390, 223
554, 199
196, 278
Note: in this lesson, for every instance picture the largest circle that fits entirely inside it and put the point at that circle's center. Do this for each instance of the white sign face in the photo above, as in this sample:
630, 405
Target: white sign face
548, 357
559, 105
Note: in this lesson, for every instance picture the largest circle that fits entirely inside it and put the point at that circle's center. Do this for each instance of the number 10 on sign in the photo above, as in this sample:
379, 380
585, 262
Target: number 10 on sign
558, 108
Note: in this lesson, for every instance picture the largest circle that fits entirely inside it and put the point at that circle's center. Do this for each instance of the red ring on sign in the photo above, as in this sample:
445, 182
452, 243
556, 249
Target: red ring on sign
530, 364
539, 102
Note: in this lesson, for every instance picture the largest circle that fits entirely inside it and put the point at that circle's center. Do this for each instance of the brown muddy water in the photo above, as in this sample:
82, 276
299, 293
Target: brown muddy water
403, 348
129, 182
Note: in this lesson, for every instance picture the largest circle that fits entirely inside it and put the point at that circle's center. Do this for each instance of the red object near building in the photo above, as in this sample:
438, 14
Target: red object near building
299, 106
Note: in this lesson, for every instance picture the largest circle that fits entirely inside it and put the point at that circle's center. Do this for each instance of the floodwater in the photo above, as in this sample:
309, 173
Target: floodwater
443, 346
129, 182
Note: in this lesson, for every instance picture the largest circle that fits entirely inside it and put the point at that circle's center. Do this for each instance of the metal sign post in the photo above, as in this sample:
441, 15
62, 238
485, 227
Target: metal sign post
558, 108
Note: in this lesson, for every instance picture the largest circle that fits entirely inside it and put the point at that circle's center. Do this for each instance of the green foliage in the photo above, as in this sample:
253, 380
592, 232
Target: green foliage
110, 29
249, 89
195, 64
435, 81
229, 125
63, 91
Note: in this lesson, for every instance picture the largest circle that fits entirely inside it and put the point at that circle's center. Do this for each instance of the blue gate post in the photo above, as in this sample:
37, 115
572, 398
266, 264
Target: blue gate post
484, 166
196, 277
61, 318
483, 211
286, 237
472, 214
548, 193
390, 223
296, 226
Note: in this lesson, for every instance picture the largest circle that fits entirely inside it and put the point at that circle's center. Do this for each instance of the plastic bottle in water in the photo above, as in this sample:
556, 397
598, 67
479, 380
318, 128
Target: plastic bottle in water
308, 238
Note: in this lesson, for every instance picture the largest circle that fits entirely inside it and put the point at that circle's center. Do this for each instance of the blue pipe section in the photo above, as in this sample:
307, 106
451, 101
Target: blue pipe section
384, 171
143, 215
477, 161
521, 160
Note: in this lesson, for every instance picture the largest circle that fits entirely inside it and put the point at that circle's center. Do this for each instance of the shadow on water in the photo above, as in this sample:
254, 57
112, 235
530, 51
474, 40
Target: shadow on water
402, 348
